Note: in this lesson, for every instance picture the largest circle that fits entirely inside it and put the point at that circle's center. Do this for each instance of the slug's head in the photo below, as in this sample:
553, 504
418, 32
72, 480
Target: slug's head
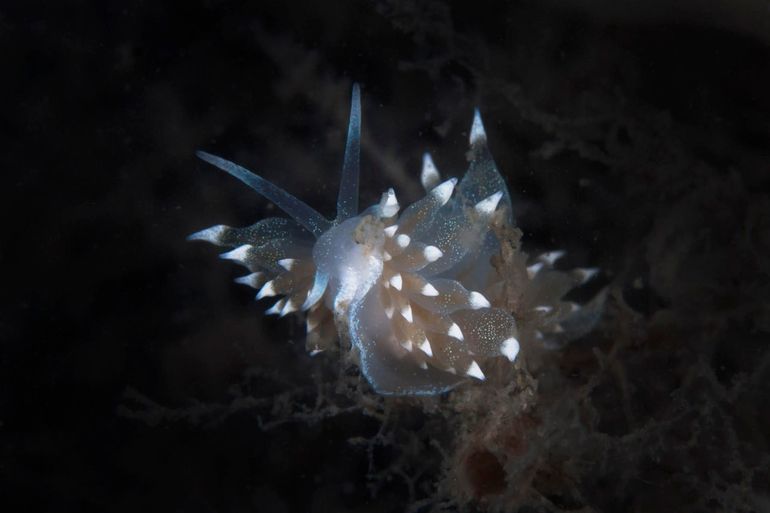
350, 257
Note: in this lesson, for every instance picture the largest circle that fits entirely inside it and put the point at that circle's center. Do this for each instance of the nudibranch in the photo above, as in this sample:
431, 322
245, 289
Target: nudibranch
413, 292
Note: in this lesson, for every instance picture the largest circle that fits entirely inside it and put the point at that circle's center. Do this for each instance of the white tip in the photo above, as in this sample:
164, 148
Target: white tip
478, 135
557, 328
386, 256
252, 280
391, 199
403, 240
543, 309
551, 257
316, 351
429, 176
391, 230
288, 308
389, 204
288, 263
209, 234
488, 205
423, 365
533, 269
477, 301
443, 191
510, 348
425, 347
276, 308
432, 253
389, 311
406, 344
239, 254
455, 331
474, 371
573, 307
406, 312
397, 281
429, 290
451, 370
267, 290
586, 274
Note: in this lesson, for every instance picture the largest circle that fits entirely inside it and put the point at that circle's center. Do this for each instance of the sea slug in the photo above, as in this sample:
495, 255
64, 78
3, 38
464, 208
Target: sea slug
413, 291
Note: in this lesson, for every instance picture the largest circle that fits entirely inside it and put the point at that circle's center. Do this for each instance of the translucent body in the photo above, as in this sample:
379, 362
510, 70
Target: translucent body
409, 290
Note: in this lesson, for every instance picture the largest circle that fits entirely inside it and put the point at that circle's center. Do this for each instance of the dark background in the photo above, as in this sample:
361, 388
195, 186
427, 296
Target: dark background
637, 138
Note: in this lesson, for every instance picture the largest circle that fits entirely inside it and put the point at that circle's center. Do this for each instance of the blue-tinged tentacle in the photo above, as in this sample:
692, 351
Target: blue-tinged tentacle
347, 200
298, 210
